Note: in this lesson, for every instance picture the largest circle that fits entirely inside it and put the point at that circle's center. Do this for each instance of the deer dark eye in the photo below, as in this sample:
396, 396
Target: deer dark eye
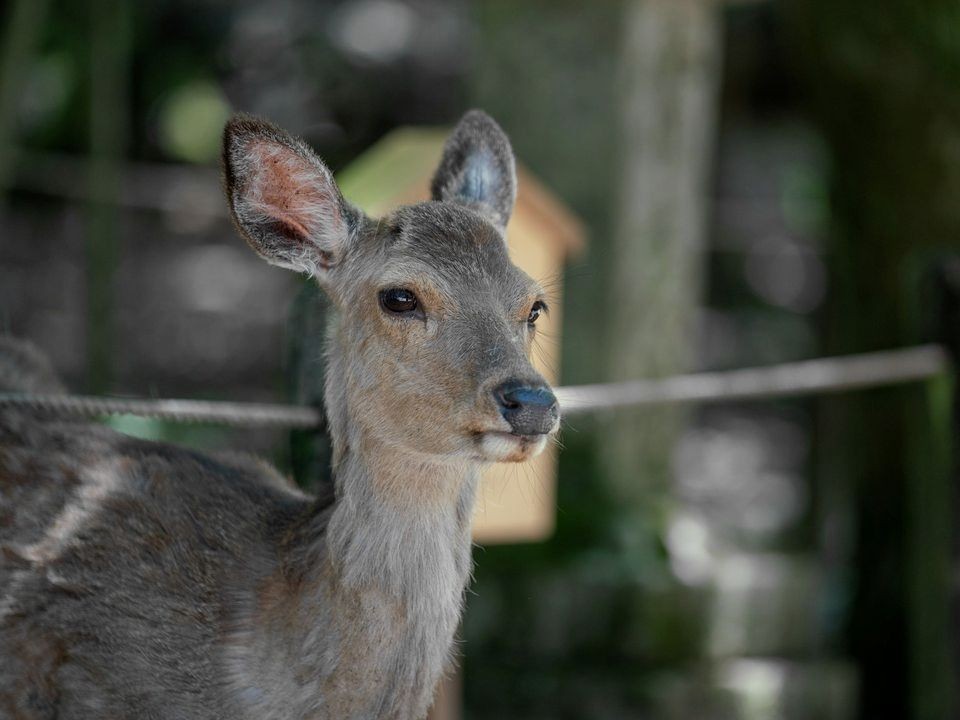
398, 300
538, 307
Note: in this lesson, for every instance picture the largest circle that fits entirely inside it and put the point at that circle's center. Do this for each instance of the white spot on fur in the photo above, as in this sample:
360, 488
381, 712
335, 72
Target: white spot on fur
100, 482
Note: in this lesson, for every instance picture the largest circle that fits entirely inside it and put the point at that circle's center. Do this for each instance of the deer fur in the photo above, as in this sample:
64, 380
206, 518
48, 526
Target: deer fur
143, 580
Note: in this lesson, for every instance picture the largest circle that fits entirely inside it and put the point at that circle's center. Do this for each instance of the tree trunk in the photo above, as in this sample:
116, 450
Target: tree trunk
670, 67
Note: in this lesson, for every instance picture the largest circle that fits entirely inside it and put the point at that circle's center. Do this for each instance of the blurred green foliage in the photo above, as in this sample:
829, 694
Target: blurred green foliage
191, 121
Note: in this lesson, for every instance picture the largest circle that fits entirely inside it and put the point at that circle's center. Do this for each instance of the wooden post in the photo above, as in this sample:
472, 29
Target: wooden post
448, 702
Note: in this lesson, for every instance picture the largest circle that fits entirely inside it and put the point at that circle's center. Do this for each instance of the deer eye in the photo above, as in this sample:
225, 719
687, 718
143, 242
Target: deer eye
538, 307
398, 301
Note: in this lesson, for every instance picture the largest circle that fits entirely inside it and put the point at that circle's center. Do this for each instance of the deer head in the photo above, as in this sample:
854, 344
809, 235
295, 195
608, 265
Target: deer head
434, 322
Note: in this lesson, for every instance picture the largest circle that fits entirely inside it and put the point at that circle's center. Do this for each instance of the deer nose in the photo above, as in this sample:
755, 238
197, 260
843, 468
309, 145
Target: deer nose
530, 409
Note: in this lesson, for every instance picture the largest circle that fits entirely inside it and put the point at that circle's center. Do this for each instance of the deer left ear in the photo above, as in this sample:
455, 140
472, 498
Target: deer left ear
478, 169
284, 199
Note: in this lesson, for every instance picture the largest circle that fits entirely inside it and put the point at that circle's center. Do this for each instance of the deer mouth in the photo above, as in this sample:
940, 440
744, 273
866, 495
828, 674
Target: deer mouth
500, 446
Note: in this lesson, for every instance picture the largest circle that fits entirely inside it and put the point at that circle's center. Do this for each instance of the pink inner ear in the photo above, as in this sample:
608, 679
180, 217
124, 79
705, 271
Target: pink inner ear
293, 191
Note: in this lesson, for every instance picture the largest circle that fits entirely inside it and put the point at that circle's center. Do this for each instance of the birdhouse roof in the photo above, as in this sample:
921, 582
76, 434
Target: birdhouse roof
398, 168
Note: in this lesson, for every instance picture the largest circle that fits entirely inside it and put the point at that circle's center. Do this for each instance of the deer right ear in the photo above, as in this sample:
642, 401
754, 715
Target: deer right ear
478, 169
284, 199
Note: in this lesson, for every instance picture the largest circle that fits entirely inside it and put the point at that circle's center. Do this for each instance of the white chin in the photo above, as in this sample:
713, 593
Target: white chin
505, 447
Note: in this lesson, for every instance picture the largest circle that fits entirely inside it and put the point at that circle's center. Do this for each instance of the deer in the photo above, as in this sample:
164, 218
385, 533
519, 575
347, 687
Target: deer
144, 580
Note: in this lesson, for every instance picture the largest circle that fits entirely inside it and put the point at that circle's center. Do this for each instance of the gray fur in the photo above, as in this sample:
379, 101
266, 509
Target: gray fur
24, 368
141, 580
478, 169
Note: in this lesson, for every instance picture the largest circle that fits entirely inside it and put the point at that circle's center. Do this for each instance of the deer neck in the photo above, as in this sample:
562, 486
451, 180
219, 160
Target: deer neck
398, 556
360, 620
401, 525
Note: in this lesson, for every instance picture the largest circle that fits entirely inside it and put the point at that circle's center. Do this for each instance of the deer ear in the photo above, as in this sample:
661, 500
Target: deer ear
284, 199
478, 169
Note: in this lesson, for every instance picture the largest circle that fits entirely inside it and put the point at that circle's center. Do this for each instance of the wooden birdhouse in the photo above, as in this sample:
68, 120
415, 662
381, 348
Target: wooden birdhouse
516, 502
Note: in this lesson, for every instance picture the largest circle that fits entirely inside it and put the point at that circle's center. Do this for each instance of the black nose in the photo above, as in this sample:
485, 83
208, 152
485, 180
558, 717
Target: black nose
530, 409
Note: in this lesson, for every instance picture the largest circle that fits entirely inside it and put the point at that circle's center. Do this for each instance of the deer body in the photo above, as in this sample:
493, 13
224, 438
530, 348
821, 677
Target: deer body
142, 580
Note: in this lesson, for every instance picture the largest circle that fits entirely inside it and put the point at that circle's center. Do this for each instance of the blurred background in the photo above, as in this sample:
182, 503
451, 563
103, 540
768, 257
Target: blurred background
760, 181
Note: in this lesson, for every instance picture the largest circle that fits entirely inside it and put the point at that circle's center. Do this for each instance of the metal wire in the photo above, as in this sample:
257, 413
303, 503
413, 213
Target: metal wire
824, 375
